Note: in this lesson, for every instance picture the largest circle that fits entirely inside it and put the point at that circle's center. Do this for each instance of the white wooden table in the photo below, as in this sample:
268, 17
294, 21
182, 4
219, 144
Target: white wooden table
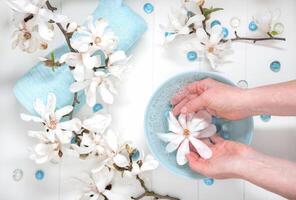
153, 64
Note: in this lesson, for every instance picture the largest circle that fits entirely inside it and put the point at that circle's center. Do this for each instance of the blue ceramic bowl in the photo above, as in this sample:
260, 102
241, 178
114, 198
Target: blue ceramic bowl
156, 121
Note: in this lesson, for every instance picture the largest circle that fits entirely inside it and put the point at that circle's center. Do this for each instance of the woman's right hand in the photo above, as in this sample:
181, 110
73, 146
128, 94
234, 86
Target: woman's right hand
217, 98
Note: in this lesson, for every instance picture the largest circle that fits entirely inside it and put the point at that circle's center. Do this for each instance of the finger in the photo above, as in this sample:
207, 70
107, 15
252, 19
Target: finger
193, 88
216, 139
179, 106
193, 105
207, 142
196, 163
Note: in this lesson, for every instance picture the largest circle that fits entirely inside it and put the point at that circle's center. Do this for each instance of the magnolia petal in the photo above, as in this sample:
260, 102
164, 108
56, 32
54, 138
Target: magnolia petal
106, 94
91, 93
174, 125
51, 103
120, 160
71, 125
202, 149
216, 35
182, 151
64, 136
40, 107
63, 112
100, 27
207, 132
201, 35
182, 121
114, 196
79, 72
89, 61
196, 19
149, 163
45, 31
78, 86
167, 137
117, 57
28, 118
174, 144
111, 139
97, 123
199, 121
103, 178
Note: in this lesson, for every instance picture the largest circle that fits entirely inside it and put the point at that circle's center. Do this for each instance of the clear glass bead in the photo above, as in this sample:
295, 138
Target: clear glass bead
17, 174
242, 84
235, 22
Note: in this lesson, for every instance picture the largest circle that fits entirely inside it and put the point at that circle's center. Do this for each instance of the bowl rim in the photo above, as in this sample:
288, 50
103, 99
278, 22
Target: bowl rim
206, 73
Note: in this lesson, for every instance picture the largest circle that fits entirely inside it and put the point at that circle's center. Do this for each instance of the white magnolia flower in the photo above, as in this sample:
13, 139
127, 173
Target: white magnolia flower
45, 150
267, 20
37, 12
116, 149
99, 186
188, 130
143, 164
181, 23
103, 81
92, 141
50, 118
26, 36
82, 63
193, 5
96, 36
212, 47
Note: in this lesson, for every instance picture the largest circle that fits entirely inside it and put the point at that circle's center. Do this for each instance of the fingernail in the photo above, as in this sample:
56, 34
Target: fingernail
184, 110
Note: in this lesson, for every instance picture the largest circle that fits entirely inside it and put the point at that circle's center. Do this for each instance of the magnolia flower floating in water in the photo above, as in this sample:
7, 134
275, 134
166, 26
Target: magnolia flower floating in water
212, 48
188, 130
51, 119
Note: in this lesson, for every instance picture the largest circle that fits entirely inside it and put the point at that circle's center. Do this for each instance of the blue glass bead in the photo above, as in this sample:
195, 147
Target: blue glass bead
148, 8
191, 55
208, 181
253, 26
275, 66
73, 140
265, 118
225, 32
39, 175
135, 155
166, 34
97, 107
215, 22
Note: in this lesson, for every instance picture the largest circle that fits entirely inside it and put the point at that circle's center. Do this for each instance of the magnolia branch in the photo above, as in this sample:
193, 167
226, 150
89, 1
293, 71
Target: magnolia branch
67, 37
147, 192
238, 38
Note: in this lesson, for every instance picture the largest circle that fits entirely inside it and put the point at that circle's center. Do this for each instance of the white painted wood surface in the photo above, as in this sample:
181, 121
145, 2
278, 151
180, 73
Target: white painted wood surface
153, 64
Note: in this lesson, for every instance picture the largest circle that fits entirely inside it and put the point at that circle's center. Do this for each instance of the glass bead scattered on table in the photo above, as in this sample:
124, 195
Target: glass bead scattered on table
253, 26
148, 8
191, 55
208, 181
215, 22
97, 107
242, 84
17, 174
135, 155
234, 22
275, 66
279, 28
265, 118
39, 175
225, 32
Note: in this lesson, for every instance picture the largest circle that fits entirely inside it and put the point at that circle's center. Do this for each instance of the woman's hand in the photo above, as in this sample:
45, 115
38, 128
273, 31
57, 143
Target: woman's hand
228, 159
217, 98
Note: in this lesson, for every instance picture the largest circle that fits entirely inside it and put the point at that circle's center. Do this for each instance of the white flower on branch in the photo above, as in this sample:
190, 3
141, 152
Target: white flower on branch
99, 185
36, 11
46, 150
142, 165
96, 36
51, 119
188, 130
212, 47
92, 142
267, 20
102, 80
182, 23
27, 38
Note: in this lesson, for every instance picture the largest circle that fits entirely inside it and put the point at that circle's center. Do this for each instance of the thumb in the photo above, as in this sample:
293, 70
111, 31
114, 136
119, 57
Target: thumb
195, 163
194, 105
